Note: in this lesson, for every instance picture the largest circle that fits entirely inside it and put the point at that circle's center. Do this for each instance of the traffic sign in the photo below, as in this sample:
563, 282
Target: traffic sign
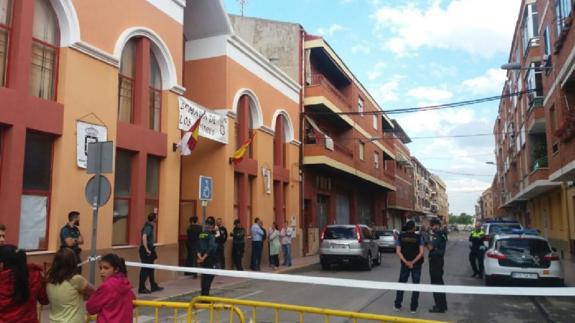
206, 188
93, 195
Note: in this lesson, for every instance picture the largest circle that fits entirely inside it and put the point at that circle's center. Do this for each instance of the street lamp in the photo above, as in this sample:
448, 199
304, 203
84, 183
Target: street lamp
518, 67
490, 163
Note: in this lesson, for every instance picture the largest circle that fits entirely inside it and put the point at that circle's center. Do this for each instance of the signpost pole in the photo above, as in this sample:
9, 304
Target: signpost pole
204, 210
95, 206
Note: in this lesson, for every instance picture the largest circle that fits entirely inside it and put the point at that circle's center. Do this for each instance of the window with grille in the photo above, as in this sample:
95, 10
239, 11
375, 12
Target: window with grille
5, 23
126, 82
45, 40
155, 106
122, 197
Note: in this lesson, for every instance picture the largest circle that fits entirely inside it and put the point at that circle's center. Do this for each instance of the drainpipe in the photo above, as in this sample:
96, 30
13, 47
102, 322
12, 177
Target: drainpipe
305, 242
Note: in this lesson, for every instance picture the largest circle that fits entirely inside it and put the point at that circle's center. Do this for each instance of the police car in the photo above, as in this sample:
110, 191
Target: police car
492, 227
521, 255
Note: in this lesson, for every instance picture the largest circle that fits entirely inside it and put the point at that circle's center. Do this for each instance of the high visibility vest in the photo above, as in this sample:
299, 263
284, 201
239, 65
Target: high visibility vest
476, 234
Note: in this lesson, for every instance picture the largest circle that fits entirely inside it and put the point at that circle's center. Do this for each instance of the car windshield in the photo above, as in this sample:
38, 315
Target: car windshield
384, 233
504, 227
340, 233
532, 247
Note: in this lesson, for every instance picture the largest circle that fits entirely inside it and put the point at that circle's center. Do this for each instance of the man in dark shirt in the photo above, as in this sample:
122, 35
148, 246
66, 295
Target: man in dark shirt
409, 249
437, 244
147, 256
207, 254
193, 236
238, 244
70, 235
476, 253
221, 238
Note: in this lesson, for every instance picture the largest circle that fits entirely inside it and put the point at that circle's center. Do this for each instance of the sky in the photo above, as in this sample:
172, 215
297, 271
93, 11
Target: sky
414, 53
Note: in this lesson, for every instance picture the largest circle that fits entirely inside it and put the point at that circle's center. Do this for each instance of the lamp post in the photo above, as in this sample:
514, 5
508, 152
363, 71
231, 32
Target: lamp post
490, 163
518, 67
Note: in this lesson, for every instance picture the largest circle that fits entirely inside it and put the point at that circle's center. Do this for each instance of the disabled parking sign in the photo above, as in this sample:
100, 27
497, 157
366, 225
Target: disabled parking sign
206, 188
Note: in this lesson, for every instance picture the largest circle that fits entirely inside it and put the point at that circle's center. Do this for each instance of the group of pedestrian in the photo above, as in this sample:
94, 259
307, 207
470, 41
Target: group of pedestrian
69, 295
410, 248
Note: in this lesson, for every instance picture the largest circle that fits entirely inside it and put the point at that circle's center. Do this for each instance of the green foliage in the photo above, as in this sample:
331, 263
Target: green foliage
462, 218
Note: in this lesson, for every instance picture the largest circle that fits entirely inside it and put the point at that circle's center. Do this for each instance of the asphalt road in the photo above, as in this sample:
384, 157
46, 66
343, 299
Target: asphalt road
462, 308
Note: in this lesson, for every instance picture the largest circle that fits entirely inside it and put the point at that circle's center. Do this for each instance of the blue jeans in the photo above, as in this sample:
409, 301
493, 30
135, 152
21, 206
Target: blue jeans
404, 273
287, 254
257, 247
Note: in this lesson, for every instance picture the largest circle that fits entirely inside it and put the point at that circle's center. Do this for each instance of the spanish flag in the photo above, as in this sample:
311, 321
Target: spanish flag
241, 152
190, 138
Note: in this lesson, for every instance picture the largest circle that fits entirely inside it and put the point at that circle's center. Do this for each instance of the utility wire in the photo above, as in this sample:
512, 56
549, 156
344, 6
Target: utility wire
427, 108
457, 173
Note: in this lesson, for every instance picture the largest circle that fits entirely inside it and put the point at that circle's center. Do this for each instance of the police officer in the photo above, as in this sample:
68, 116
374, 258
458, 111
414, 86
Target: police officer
71, 237
476, 254
436, 246
208, 253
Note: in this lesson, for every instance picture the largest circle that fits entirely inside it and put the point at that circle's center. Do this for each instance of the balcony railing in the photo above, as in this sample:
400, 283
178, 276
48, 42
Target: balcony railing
318, 79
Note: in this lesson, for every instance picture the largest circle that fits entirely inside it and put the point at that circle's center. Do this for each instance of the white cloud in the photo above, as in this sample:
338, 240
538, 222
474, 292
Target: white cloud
386, 92
466, 25
376, 71
361, 49
430, 94
489, 83
436, 121
329, 31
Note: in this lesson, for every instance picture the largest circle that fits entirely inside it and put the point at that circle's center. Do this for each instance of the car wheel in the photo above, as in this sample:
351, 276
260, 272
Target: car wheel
324, 264
378, 258
369, 261
489, 281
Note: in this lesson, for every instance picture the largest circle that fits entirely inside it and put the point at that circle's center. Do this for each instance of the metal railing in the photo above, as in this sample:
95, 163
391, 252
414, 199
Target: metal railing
301, 311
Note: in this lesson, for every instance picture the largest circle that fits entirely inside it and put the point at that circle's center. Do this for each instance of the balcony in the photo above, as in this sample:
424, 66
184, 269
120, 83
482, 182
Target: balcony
323, 152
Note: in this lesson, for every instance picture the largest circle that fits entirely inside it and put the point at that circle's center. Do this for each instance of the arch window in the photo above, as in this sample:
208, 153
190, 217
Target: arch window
140, 85
126, 82
155, 107
5, 28
280, 141
45, 40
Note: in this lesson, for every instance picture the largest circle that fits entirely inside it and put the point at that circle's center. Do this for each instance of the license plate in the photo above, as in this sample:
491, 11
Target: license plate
524, 275
338, 246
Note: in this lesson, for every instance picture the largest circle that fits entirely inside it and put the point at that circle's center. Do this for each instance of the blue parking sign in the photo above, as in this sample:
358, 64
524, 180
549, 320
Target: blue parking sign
206, 188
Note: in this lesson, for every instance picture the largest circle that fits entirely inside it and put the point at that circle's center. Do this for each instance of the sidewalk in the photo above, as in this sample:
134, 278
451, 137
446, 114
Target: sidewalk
569, 271
187, 285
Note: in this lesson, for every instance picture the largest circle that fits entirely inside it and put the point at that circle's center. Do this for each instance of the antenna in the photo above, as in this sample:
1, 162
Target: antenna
243, 4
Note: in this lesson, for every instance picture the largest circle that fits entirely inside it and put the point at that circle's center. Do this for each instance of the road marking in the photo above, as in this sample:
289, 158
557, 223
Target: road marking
356, 283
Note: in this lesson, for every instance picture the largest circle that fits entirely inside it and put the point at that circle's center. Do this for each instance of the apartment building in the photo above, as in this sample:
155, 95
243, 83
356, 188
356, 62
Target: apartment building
439, 198
422, 196
347, 165
401, 203
534, 131
487, 206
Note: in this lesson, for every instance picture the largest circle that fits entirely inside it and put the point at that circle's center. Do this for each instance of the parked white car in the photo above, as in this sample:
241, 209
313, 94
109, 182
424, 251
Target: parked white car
522, 257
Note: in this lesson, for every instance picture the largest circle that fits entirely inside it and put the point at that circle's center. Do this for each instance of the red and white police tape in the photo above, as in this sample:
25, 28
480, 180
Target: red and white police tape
367, 284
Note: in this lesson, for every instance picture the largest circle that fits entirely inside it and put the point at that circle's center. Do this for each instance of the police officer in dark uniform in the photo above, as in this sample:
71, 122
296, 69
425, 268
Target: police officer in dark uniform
238, 244
208, 253
436, 246
476, 254
409, 249
71, 237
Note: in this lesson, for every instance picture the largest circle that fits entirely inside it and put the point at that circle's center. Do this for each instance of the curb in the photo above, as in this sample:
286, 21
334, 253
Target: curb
197, 290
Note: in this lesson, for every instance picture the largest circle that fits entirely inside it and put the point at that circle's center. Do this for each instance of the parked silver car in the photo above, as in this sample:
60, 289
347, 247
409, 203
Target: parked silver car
385, 240
348, 243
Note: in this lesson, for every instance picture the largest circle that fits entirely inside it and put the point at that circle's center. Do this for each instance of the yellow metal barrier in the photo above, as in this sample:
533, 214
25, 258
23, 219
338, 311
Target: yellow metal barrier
188, 308
301, 310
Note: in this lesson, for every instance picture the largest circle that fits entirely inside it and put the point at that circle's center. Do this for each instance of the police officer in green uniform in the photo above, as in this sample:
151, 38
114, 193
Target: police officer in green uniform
207, 253
476, 253
148, 254
436, 246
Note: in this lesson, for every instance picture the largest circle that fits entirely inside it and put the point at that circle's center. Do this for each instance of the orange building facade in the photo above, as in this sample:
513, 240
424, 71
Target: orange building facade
68, 78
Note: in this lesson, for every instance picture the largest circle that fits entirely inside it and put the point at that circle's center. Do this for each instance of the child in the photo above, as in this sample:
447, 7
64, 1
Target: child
21, 287
113, 299
67, 289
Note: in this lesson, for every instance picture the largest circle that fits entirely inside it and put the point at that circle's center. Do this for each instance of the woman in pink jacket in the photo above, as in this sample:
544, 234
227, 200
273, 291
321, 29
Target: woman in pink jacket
112, 302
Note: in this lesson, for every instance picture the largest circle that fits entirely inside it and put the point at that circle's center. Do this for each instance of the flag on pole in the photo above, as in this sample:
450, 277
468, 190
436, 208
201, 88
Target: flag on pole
190, 138
239, 154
